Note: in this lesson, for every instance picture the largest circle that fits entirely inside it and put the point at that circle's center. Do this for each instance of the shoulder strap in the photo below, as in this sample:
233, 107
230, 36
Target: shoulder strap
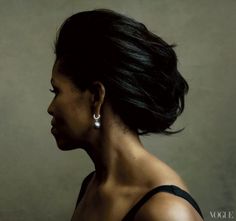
164, 188
84, 186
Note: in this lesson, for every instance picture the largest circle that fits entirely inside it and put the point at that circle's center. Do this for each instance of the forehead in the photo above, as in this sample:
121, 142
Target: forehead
60, 80
55, 72
57, 76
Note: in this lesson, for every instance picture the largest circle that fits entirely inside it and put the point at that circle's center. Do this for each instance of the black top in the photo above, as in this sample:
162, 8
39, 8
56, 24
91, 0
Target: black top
164, 188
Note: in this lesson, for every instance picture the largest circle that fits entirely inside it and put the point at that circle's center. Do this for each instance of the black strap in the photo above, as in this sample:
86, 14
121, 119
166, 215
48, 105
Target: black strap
164, 188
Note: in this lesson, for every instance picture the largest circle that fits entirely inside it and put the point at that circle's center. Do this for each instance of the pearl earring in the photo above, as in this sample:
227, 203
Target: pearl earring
97, 122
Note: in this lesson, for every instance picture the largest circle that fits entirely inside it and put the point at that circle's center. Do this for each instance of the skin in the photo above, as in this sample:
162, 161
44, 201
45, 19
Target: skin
124, 169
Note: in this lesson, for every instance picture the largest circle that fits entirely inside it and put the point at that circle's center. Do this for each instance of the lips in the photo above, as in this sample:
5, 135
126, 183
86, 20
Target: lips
53, 123
53, 130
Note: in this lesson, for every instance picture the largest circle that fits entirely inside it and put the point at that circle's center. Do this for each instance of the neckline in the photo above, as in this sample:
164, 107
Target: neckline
172, 189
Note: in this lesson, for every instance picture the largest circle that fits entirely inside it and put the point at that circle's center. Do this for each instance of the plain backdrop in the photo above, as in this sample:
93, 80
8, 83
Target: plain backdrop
40, 182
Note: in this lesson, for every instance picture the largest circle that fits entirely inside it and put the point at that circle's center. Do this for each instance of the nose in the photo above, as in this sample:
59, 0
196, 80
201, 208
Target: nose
50, 109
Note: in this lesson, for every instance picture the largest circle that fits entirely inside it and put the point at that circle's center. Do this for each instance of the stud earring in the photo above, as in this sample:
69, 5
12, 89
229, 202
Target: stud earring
97, 122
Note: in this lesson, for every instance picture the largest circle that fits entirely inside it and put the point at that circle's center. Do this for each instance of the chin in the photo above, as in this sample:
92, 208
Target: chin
65, 146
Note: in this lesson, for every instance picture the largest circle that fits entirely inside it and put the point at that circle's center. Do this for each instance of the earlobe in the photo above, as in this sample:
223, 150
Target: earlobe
97, 122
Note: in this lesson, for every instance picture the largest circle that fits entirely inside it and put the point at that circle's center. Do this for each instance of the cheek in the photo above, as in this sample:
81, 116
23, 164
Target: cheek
61, 115
76, 119
74, 131
80, 119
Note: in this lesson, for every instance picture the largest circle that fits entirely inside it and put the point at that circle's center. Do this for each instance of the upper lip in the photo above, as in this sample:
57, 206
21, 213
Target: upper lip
53, 123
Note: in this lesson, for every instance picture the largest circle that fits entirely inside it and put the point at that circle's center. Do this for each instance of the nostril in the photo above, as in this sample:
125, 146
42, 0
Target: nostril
50, 112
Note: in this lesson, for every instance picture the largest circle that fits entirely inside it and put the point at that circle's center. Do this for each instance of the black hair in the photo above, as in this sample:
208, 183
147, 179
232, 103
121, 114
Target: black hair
138, 69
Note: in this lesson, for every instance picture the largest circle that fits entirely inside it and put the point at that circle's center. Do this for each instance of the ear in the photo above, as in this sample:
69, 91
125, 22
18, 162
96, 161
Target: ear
97, 90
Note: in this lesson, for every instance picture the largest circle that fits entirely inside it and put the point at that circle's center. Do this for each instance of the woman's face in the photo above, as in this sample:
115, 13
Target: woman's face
71, 112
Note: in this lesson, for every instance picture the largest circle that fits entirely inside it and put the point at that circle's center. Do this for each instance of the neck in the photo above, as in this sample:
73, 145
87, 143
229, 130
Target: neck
115, 153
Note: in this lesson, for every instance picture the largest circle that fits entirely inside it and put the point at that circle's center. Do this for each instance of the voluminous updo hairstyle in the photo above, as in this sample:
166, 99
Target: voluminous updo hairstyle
138, 69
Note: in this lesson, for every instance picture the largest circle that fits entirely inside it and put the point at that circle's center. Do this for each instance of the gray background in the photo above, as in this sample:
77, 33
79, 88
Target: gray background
38, 181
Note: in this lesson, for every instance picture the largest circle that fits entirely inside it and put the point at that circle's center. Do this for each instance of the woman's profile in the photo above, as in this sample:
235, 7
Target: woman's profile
114, 81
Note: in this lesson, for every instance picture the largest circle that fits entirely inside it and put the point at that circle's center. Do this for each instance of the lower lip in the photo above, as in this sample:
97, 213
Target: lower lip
53, 130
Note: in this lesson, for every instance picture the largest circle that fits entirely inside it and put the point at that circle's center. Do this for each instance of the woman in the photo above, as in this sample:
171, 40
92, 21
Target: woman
113, 81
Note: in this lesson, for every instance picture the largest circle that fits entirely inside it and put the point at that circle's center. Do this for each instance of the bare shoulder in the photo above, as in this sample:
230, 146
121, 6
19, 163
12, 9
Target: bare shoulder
167, 207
